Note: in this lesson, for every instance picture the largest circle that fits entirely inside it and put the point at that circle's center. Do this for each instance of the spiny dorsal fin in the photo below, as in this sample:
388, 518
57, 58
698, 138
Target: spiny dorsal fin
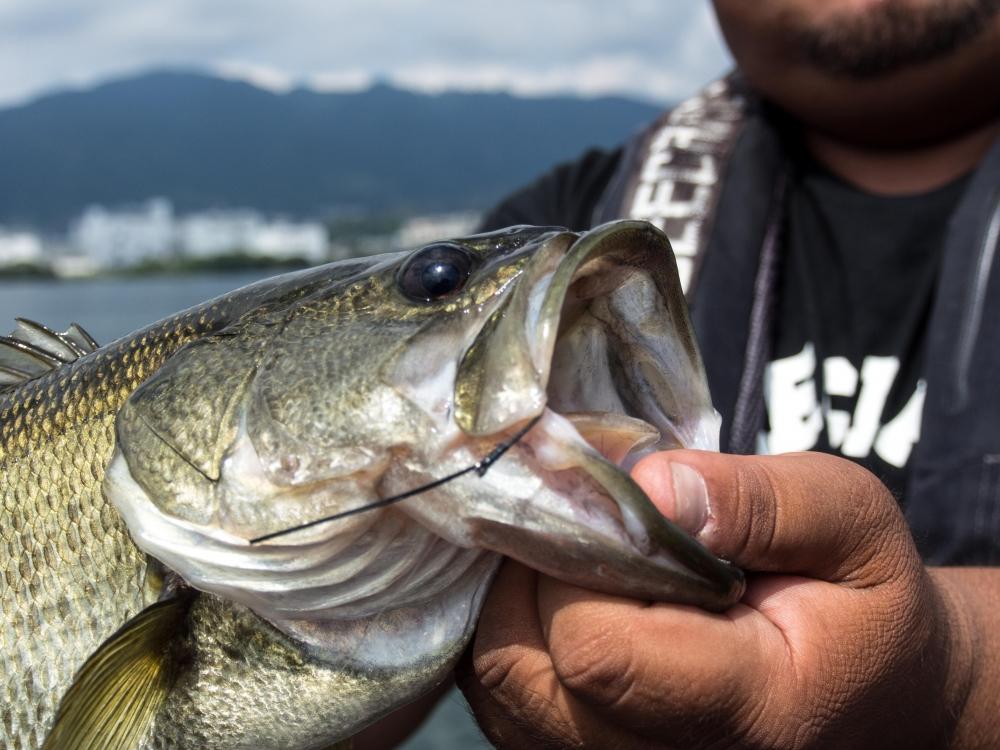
118, 691
33, 349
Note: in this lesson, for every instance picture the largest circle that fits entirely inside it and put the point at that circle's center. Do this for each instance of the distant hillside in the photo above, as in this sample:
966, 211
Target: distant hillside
209, 142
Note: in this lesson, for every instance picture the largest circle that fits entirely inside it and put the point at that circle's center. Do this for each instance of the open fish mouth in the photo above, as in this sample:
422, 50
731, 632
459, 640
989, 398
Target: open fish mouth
263, 428
595, 341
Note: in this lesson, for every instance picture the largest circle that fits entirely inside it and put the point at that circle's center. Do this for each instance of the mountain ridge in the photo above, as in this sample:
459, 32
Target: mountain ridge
210, 142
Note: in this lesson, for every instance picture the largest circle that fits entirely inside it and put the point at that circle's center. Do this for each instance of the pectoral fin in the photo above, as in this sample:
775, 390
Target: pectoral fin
119, 689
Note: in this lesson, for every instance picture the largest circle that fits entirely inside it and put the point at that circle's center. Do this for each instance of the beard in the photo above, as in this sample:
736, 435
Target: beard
891, 36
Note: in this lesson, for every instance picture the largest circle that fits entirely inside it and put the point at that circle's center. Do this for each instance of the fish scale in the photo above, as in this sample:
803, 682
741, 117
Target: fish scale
71, 574
140, 611
64, 603
269, 678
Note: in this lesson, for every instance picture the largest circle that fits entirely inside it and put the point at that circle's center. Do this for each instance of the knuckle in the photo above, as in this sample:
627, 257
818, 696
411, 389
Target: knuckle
495, 670
522, 709
510, 674
879, 545
596, 663
868, 492
836, 504
752, 518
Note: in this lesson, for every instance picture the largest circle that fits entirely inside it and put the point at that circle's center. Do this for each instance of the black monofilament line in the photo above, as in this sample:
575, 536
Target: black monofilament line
480, 467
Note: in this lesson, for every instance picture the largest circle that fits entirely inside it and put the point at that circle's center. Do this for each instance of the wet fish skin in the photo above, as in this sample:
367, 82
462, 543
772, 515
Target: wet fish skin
70, 574
316, 381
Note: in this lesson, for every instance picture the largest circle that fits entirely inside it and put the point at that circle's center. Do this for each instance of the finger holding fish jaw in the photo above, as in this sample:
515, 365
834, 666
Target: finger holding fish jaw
840, 620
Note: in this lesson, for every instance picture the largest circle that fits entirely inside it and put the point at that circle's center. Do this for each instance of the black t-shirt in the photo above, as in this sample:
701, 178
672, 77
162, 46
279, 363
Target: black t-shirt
565, 197
857, 284
858, 275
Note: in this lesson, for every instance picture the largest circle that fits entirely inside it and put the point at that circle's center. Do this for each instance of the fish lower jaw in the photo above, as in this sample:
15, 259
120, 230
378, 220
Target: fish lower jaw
391, 562
596, 445
588, 523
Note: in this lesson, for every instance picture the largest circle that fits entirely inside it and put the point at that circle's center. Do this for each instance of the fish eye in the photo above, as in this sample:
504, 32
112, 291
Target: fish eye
435, 271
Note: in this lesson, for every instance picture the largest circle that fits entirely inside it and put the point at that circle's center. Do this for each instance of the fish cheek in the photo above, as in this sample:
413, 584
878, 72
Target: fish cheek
318, 407
192, 402
172, 483
175, 429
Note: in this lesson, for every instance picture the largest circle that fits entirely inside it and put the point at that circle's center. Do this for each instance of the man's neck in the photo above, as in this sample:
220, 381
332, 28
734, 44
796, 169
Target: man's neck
904, 171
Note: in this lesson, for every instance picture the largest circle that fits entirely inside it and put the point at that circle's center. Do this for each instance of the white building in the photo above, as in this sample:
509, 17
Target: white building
212, 233
420, 230
285, 239
20, 248
125, 237
117, 238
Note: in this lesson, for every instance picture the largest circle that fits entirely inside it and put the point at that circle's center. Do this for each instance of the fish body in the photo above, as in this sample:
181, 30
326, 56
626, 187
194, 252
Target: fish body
135, 478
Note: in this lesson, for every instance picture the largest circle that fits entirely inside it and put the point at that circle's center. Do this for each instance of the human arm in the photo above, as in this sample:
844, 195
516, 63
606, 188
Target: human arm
844, 638
976, 592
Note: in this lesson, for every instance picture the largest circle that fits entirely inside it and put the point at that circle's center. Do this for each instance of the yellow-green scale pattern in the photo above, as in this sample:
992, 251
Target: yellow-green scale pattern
71, 575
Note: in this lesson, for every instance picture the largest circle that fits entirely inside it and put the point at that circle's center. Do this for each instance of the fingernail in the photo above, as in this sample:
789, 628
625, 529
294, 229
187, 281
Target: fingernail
690, 498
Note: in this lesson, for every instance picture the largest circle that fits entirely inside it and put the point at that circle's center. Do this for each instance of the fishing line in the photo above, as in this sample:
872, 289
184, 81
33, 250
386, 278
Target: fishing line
480, 467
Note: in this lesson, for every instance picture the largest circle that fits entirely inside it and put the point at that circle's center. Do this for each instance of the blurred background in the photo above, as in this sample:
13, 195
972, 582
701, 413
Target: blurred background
154, 155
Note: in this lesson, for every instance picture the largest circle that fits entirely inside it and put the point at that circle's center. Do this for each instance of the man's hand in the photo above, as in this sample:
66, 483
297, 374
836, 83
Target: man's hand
843, 639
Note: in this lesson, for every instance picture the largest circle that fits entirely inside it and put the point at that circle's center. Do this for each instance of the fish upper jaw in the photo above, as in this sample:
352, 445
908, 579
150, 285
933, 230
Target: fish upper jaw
596, 340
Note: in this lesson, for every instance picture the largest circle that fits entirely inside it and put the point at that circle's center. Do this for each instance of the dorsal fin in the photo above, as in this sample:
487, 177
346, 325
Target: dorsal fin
119, 690
33, 349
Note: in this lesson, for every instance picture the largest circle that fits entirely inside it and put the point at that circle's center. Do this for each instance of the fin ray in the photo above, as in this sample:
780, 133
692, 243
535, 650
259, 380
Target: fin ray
117, 692
33, 349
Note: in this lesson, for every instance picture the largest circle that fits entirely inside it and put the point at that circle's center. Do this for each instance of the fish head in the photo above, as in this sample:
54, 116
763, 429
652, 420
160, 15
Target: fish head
386, 377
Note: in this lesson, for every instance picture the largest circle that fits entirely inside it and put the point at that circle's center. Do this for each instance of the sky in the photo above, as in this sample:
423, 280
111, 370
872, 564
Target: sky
658, 50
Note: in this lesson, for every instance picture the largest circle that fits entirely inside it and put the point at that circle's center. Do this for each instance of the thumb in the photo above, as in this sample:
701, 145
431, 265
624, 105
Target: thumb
807, 513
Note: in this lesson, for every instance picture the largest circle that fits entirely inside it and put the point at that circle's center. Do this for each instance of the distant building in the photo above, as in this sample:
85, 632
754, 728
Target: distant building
420, 230
20, 248
119, 238
213, 233
285, 239
74, 266
113, 239
104, 238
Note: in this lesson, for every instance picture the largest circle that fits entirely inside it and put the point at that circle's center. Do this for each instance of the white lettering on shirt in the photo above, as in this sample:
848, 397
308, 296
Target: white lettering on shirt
897, 438
840, 379
790, 392
797, 414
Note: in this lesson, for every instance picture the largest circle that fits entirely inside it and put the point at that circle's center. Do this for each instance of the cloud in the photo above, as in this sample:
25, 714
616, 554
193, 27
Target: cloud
347, 79
261, 76
606, 74
657, 49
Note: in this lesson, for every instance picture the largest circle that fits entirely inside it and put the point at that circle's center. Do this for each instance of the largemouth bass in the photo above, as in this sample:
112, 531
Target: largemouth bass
169, 580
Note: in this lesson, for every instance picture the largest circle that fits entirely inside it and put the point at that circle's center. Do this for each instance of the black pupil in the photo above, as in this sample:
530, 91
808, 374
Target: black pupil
440, 277
435, 272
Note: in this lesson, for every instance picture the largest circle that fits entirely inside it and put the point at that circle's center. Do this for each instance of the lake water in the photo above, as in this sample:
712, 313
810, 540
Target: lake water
111, 308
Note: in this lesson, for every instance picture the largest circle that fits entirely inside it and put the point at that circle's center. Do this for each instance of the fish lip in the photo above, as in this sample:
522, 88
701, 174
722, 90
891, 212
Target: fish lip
704, 579
539, 303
